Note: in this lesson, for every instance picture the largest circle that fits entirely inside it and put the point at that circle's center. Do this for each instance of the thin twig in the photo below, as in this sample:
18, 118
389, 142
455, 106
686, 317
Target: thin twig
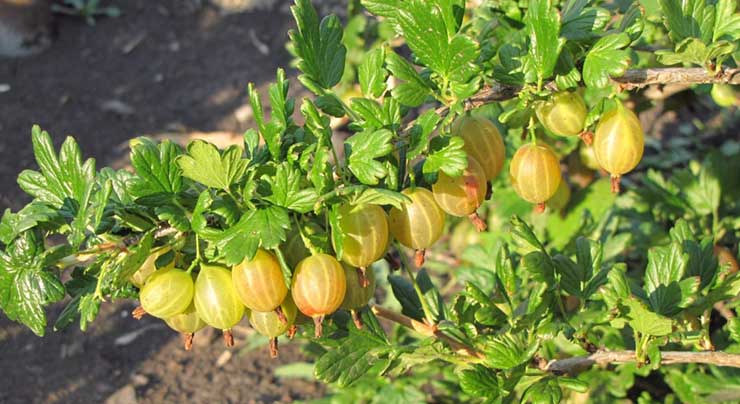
601, 358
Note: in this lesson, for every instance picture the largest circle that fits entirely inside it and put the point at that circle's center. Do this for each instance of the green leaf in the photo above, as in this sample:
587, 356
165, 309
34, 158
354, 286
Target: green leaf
337, 234
689, 19
263, 227
414, 90
446, 154
380, 196
419, 134
25, 285
156, 169
644, 321
13, 224
504, 351
480, 381
727, 22
404, 292
288, 192
545, 391
204, 164
431, 295
330, 104
607, 58
363, 149
371, 73
318, 47
130, 262
362, 352
543, 27
524, 237
581, 22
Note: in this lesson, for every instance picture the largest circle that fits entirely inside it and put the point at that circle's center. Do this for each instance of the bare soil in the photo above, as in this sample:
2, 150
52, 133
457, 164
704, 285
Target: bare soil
162, 66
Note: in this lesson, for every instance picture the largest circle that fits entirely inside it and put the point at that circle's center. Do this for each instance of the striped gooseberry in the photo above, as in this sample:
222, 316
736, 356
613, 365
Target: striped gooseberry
560, 200
216, 300
139, 277
419, 223
186, 323
483, 142
535, 173
167, 292
358, 294
564, 114
271, 325
365, 239
461, 196
259, 282
618, 142
588, 157
318, 287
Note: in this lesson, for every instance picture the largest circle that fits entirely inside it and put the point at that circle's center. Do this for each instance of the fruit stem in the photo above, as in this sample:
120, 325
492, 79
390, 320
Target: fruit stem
419, 257
228, 338
318, 326
187, 339
419, 293
273, 347
357, 319
196, 261
292, 331
362, 277
479, 224
138, 313
587, 136
540, 207
281, 315
616, 179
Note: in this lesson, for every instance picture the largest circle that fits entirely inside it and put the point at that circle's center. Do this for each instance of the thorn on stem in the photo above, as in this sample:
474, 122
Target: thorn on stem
318, 326
362, 277
489, 190
419, 257
228, 338
138, 313
281, 315
479, 223
187, 339
273, 347
357, 319
616, 180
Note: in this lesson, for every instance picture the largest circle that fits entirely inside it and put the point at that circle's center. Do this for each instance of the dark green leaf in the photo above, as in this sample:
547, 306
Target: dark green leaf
414, 90
480, 381
504, 351
404, 292
363, 149
156, 169
263, 227
543, 27
446, 154
644, 321
607, 58
288, 192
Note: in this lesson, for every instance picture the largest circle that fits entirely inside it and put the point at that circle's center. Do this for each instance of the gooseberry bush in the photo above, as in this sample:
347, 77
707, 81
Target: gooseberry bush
441, 219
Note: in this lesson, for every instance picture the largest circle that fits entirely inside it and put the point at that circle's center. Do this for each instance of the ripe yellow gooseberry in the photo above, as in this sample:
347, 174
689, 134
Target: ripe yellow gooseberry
187, 323
618, 143
318, 287
365, 231
419, 224
564, 114
259, 283
139, 277
535, 173
461, 196
216, 300
167, 293
271, 325
483, 142
358, 295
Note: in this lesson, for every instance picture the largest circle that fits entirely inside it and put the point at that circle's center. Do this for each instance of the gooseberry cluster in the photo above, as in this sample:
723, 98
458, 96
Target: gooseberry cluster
617, 146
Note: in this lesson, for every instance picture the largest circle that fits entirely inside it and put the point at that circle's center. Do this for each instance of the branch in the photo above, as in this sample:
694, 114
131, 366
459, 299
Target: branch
601, 358
426, 330
568, 365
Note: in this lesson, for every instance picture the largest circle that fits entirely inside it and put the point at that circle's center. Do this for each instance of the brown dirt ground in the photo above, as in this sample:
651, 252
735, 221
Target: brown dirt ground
177, 66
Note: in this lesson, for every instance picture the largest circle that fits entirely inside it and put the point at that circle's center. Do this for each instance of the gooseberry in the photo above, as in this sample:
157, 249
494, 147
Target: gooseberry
167, 292
418, 224
483, 142
259, 282
561, 198
318, 287
724, 95
564, 114
365, 239
271, 325
216, 300
187, 323
357, 294
588, 157
618, 143
535, 173
461, 196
